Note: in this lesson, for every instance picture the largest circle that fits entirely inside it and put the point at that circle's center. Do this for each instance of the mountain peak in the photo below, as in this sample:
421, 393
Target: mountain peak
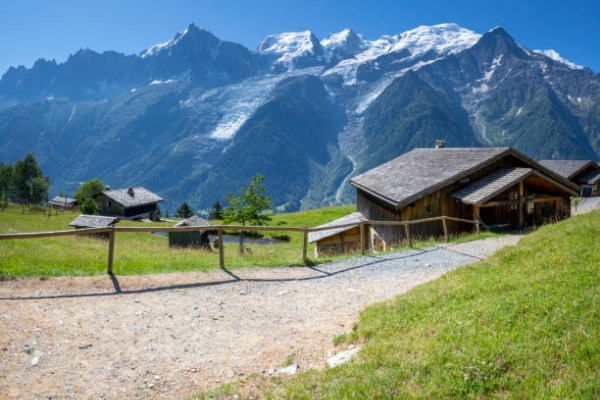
192, 32
292, 49
345, 43
498, 41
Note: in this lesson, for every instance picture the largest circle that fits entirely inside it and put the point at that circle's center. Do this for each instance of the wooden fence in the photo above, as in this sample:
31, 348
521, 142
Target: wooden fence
222, 228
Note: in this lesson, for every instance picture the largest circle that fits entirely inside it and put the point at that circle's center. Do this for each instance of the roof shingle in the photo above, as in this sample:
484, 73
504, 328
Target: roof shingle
355, 217
93, 221
567, 168
193, 221
422, 171
134, 196
489, 186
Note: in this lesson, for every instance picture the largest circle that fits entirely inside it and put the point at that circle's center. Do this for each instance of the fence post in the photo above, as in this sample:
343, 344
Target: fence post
221, 249
445, 229
362, 238
408, 235
111, 249
305, 246
477, 227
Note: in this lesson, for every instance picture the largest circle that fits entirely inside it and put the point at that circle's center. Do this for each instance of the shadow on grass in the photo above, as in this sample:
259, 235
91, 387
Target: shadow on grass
322, 272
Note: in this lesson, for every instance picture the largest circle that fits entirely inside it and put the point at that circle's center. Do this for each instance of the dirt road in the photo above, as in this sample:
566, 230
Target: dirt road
168, 336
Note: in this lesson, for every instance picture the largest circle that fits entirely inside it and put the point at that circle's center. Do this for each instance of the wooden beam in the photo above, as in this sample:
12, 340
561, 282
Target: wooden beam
362, 238
111, 251
521, 200
445, 229
221, 248
305, 247
408, 235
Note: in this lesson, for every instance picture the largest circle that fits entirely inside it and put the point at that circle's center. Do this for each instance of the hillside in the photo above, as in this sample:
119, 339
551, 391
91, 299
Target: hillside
193, 118
521, 324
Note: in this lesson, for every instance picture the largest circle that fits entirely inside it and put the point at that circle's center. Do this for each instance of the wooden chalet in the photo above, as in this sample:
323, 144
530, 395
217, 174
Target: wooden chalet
63, 203
197, 238
94, 221
497, 186
131, 203
585, 173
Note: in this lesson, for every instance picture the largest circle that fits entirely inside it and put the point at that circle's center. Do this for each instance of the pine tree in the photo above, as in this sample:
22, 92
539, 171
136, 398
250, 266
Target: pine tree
184, 211
216, 211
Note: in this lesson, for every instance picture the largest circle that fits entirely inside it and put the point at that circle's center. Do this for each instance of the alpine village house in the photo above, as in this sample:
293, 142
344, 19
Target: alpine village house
131, 203
498, 186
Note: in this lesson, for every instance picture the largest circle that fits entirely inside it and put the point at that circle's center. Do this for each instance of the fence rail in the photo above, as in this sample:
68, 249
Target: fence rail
220, 229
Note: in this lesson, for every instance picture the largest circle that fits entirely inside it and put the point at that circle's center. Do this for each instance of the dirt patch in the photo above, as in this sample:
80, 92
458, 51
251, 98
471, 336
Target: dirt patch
168, 336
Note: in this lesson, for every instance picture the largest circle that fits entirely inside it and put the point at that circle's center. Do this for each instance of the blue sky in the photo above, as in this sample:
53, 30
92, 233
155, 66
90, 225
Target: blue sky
32, 29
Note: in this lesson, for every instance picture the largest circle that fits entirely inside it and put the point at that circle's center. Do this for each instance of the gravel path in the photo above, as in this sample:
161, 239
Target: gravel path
167, 336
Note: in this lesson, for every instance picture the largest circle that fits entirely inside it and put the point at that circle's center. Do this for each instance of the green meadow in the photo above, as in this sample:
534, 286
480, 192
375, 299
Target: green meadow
138, 253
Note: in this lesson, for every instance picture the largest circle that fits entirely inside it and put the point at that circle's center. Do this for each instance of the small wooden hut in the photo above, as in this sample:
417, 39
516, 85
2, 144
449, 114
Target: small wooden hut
197, 238
94, 221
63, 203
338, 240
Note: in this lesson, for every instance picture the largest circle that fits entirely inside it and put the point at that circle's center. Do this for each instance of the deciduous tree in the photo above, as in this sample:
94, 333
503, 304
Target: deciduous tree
25, 170
89, 189
249, 207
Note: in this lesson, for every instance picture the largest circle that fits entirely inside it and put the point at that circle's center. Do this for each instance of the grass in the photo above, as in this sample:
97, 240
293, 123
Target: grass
135, 253
144, 253
523, 324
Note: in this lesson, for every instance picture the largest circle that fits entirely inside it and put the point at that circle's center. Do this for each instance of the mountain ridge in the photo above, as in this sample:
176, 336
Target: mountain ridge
194, 117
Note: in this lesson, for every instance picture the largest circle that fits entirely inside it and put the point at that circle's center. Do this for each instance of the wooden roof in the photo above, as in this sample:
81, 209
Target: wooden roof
354, 218
491, 185
568, 168
193, 221
93, 221
421, 172
133, 196
62, 201
590, 178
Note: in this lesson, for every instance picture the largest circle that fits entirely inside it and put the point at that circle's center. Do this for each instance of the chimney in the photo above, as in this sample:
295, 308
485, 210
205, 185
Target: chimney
440, 144
130, 191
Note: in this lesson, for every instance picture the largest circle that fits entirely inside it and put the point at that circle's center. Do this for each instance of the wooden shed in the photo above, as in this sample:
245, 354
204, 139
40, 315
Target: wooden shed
197, 238
94, 221
498, 186
63, 203
585, 173
339, 240
131, 203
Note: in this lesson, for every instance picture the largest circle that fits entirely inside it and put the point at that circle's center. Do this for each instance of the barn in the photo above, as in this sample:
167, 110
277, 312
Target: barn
498, 186
131, 203
197, 238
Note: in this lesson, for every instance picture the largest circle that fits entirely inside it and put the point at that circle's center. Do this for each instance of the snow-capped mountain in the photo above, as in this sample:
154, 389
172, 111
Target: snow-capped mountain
195, 117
